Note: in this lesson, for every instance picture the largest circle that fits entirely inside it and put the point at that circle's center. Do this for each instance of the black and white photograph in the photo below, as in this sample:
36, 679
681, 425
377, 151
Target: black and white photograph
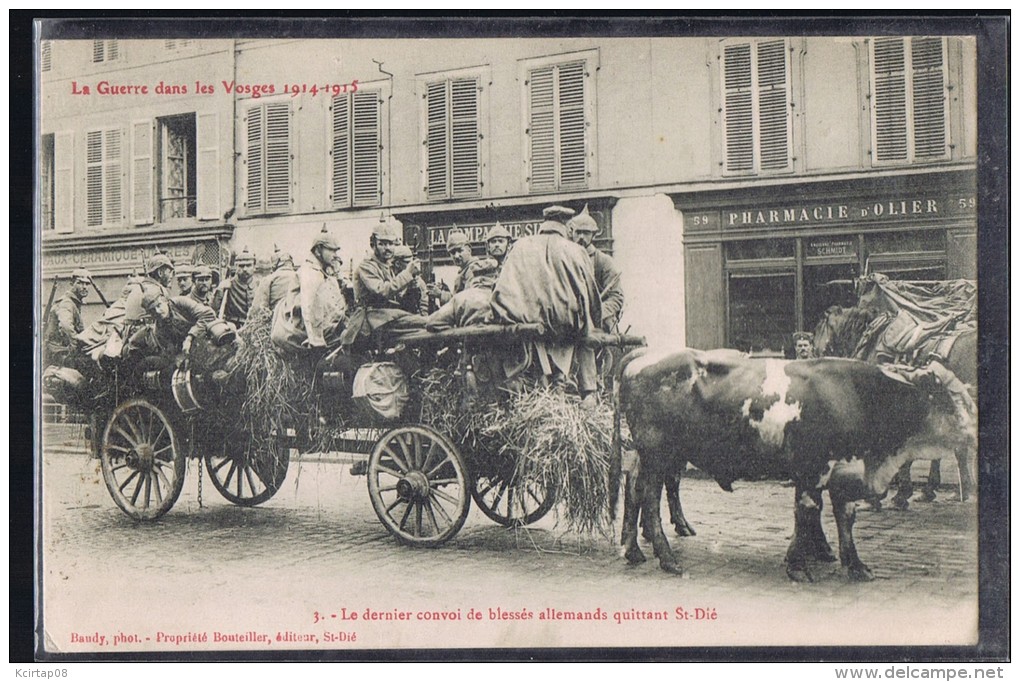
360, 337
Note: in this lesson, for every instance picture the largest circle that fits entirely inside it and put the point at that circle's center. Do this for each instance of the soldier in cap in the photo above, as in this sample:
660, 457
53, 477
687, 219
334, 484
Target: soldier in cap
804, 345
203, 283
583, 229
459, 248
64, 323
415, 298
471, 306
497, 243
548, 279
233, 297
378, 288
279, 283
184, 273
175, 323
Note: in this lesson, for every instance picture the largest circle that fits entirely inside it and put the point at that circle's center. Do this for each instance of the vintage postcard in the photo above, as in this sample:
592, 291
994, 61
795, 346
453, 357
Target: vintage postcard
356, 340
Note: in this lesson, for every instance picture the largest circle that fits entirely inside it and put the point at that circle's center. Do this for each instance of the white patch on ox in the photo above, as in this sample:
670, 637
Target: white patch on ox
651, 357
771, 427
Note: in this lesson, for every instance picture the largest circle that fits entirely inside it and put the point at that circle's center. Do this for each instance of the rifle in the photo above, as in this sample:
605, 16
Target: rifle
49, 307
101, 297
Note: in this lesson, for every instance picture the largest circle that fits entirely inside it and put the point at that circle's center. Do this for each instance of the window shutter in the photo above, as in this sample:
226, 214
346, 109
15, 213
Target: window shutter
365, 148
208, 166
142, 207
437, 161
112, 50
738, 112
341, 151
889, 117
254, 173
63, 182
98, 51
929, 97
542, 128
464, 146
571, 147
277, 157
774, 105
112, 201
46, 55
94, 178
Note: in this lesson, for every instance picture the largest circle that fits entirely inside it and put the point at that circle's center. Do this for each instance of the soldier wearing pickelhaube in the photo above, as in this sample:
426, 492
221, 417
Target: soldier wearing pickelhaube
497, 243
233, 297
65, 323
583, 229
280, 282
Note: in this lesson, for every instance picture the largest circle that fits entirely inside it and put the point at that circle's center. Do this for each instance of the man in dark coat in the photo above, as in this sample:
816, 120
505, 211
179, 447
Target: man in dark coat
232, 299
583, 229
64, 323
175, 323
278, 284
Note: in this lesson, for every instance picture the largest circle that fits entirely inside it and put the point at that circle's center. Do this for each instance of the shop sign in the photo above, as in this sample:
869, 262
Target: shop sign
828, 214
110, 259
821, 248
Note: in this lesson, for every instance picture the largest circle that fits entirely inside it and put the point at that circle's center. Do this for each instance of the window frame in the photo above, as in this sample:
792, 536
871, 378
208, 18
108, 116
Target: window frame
110, 168
757, 165
380, 90
482, 75
47, 182
909, 104
265, 209
591, 65
106, 45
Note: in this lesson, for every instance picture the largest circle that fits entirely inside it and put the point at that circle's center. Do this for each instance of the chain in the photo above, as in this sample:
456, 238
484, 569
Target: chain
200, 467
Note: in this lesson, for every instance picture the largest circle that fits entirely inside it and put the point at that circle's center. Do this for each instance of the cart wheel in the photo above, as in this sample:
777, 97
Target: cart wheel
418, 484
245, 477
509, 504
142, 459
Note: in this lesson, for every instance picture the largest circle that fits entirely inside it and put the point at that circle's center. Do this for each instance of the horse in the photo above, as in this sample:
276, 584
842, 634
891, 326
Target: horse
854, 333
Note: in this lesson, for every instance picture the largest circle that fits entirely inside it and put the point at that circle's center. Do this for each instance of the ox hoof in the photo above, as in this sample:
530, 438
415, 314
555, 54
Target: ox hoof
928, 496
634, 556
901, 503
860, 574
799, 573
684, 530
824, 553
671, 567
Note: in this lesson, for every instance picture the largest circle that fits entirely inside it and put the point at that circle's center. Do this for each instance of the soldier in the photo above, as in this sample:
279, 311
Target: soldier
64, 322
804, 345
497, 243
583, 229
232, 299
184, 274
378, 289
415, 298
176, 322
282, 281
471, 306
459, 248
203, 282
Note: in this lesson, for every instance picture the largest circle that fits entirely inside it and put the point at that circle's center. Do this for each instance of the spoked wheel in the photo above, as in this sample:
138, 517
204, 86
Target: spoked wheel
504, 500
142, 459
419, 485
245, 477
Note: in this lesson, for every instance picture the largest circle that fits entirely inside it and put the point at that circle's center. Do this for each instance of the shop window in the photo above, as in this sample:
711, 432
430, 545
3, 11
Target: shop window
905, 242
356, 149
105, 51
267, 156
560, 139
909, 114
176, 178
46, 55
103, 198
759, 249
453, 138
46, 163
762, 311
755, 108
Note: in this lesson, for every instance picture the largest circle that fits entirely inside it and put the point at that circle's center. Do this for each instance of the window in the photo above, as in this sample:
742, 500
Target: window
105, 50
452, 138
46, 163
179, 44
176, 170
560, 149
46, 55
357, 149
909, 116
268, 158
103, 177
756, 119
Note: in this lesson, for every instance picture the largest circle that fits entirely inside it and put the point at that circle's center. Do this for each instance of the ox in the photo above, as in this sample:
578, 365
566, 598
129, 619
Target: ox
844, 425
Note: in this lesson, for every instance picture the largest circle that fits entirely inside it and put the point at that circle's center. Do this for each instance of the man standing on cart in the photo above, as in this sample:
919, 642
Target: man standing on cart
583, 229
232, 299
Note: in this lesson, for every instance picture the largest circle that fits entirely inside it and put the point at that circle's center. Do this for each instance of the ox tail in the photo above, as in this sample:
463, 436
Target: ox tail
616, 457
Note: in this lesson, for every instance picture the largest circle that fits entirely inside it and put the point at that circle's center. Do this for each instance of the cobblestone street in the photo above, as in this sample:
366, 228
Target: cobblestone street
287, 570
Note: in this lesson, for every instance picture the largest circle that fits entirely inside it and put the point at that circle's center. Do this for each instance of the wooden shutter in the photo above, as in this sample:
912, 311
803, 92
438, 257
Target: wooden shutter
365, 148
277, 157
142, 208
112, 50
437, 133
254, 173
928, 92
112, 169
46, 55
464, 144
341, 161
208, 166
571, 147
542, 128
738, 109
98, 51
889, 94
63, 182
94, 178
774, 141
